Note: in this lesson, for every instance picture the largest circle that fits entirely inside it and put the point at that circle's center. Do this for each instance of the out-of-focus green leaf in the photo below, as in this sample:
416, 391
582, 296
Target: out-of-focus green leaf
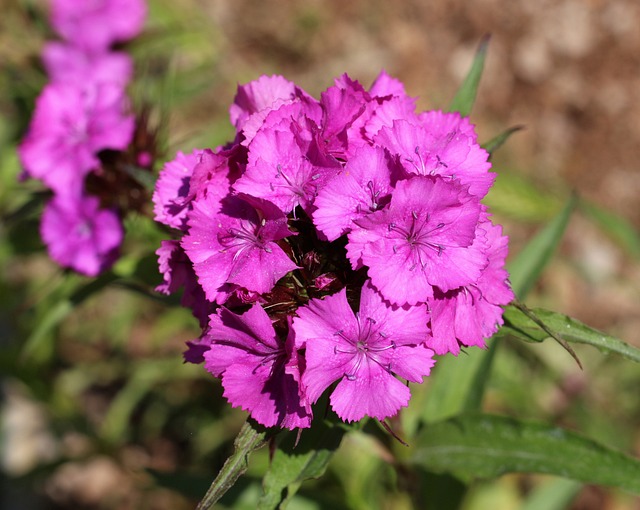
294, 463
556, 494
615, 226
457, 383
466, 95
58, 311
533, 206
485, 446
251, 437
519, 325
497, 142
526, 268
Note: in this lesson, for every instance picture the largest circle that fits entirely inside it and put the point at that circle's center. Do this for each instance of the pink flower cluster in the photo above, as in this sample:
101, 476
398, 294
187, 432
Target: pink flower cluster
335, 244
79, 114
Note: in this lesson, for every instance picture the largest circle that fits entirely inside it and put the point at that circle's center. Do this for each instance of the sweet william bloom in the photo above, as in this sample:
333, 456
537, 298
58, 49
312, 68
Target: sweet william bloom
70, 125
96, 24
170, 197
363, 352
81, 236
68, 63
470, 314
237, 245
259, 372
423, 239
363, 187
435, 147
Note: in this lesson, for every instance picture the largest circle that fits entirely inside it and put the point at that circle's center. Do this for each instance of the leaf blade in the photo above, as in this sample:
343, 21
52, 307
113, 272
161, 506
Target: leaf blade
466, 95
486, 446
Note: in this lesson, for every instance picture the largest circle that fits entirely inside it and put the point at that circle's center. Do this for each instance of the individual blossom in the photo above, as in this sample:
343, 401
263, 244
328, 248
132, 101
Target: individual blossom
237, 245
71, 124
96, 24
68, 63
363, 352
259, 371
470, 314
434, 147
170, 197
281, 170
81, 236
177, 273
423, 239
363, 187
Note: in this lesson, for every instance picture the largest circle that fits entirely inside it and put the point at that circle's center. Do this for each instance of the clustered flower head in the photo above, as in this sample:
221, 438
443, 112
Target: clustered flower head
80, 124
335, 245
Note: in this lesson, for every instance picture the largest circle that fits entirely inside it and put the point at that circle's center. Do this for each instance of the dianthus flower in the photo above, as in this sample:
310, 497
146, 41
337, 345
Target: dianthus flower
424, 236
259, 371
363, 352
71, 124
470, 314
81, 236
237, 245
97, 24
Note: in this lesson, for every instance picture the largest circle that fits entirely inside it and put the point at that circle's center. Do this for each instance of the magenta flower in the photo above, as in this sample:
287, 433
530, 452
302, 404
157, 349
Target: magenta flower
259, 372
172, 189
97, 24
237, 245
440, 148
81, 236
280, 169
68, 63
362, 188
71, 124
422, 240
470, 314
363, 352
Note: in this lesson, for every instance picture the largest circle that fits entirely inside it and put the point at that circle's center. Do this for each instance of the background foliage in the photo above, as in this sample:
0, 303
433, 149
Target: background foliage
98, 410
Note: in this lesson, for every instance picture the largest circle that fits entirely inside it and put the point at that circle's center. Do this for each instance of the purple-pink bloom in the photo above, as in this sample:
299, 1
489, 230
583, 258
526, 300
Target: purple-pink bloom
363, 352
281, 170
470, 314
81, 236
71, 124
97, 24
68, 63
259, 372
434, 147
363, 187
237, 245
177, 272
423, 239
172, 189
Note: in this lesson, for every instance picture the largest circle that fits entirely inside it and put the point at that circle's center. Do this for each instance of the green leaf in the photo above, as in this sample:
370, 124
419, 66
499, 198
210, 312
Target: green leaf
495, 143
520, 326
615, 226
529, 263
56, 314
251, 437
466, 95
294, 463
458, 383
485, 446
556, 494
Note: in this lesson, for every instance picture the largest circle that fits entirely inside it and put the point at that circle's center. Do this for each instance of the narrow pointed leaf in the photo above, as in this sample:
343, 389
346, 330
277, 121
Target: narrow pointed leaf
251, 437
466, 95
497, 142
530, 262
485, 446
615, 226
571, 330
